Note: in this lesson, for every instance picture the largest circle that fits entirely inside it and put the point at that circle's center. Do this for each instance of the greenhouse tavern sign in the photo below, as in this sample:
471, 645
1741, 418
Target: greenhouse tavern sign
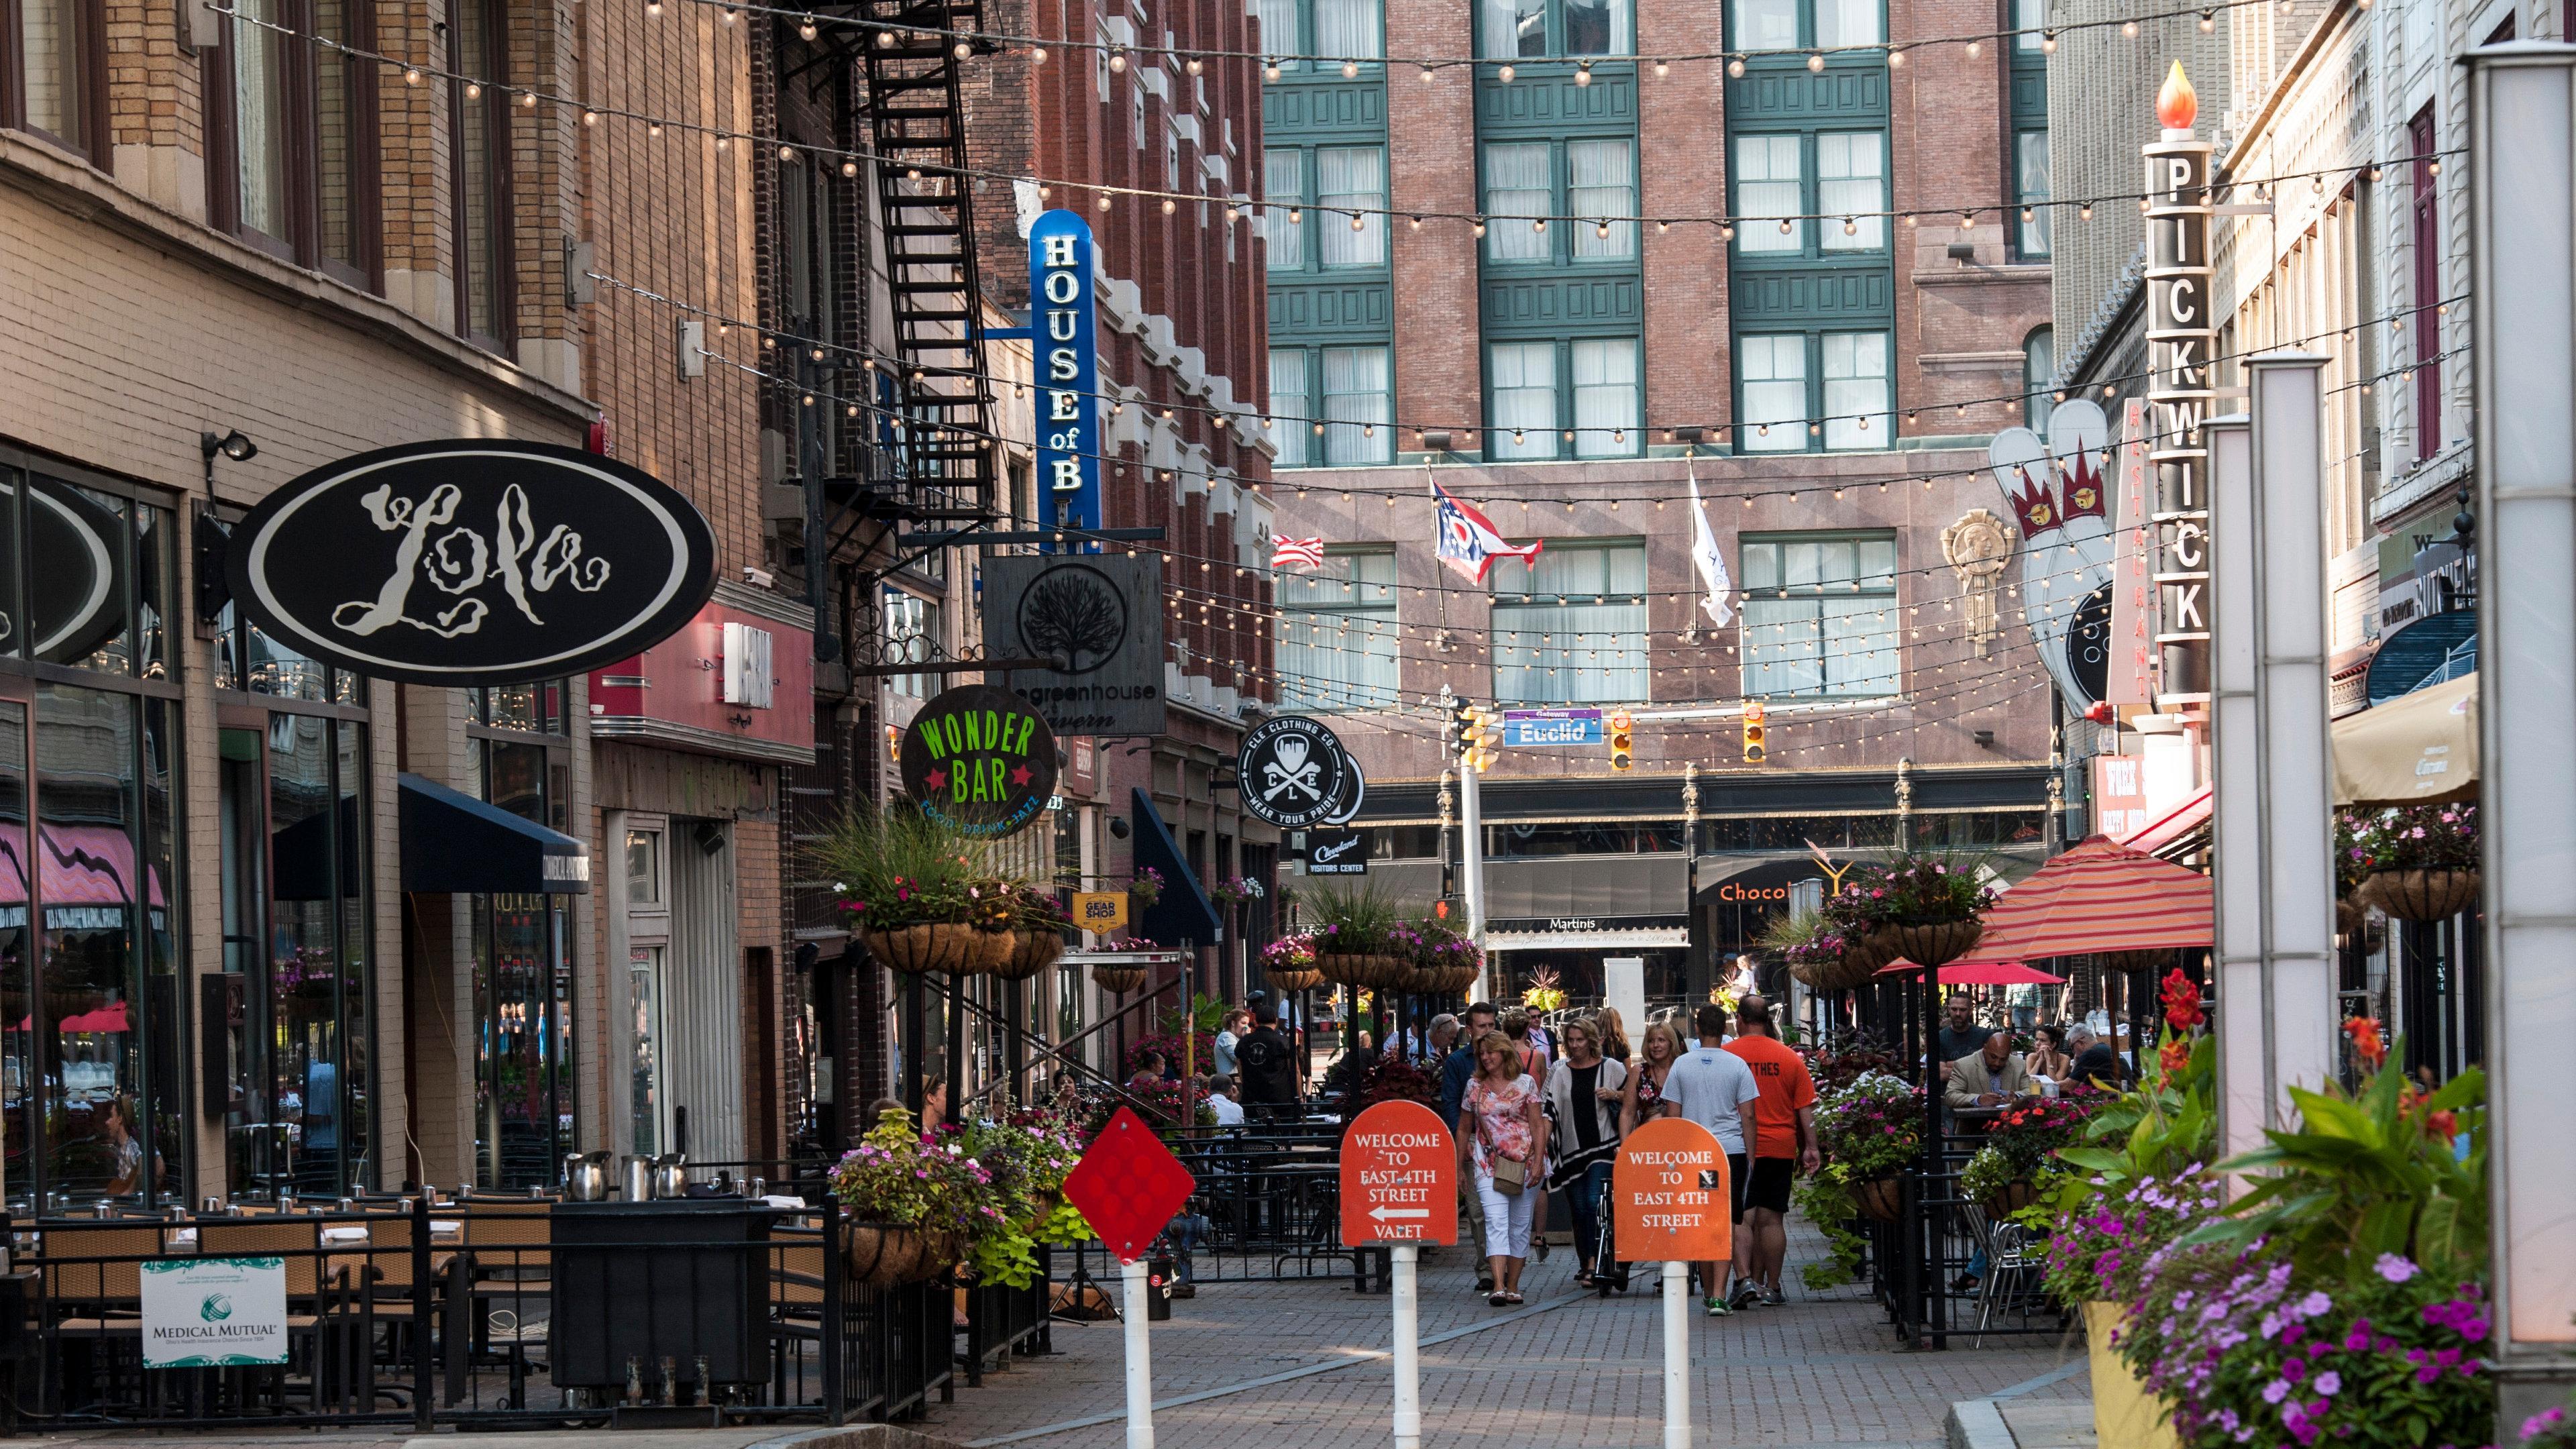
472, 562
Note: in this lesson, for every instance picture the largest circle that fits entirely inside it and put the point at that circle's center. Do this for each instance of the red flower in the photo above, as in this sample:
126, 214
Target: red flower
2182, 1001
2366, 1042
2175, 1055
2444, 1125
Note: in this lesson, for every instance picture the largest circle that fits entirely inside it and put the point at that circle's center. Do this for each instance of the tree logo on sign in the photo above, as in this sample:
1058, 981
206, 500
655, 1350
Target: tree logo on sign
1074, 615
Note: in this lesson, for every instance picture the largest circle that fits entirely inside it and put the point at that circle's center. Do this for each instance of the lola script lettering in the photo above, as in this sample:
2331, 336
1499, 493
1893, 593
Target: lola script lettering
461, 561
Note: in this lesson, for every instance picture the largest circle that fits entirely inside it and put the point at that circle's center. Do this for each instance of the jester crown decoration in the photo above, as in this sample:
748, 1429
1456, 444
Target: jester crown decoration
2056, 492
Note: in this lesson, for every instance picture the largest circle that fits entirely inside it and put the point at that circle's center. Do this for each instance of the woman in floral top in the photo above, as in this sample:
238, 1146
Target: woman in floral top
1500, 1121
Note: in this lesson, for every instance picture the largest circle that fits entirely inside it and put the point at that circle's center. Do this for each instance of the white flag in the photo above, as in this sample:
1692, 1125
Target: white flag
1712, 564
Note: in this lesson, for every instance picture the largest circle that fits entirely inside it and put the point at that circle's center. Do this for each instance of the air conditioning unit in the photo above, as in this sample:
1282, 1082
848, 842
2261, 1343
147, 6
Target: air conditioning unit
747, 677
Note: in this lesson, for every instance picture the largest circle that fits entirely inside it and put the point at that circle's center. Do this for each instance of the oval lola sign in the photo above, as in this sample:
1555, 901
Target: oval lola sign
472, 562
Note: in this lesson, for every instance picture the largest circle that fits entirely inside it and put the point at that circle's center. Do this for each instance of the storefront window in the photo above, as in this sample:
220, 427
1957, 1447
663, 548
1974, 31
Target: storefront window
524, 1097
90, 1053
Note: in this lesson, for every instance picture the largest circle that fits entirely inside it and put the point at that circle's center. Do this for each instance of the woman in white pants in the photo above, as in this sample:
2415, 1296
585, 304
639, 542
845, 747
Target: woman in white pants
1502, 1139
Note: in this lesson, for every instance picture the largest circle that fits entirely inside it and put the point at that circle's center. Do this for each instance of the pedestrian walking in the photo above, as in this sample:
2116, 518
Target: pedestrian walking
1529, 1041
1713, 1087
1230, 1032
1457, 1068
1502, 1138
1784, 1144
1614, 1035
1267, 1069
1584, 1092
1642, 1100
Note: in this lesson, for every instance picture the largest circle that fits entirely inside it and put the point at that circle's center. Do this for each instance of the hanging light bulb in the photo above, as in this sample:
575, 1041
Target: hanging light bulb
1851, 226
1296, 216
653, 9
590, 118
473, 90
2048, 42
1270, 71
1417, 223
2129, 28
528, 99
1601, 229
1507, 74
1350, 70
2027, 213
1663, 68
1538, 223
1735, 67
1816, 61
1118, 62
2084, 212
1169, 206
849, 168
1663, 227
1479, 226
1896, 60
1784, 226
961, 50
653, 128
411, 75
1726, 231
1975, 49
1359, 222
1194, 65
2208, 21
1103, 201
1583, 74
1428, 75
807, 29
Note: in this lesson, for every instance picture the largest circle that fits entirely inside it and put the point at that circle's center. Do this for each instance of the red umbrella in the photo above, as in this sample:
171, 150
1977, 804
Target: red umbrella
111, 1017
1982, 973
2097, 897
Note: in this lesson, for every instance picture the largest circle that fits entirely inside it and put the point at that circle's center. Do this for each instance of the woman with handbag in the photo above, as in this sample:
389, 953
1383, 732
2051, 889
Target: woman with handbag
1584, 1092
1502, 1137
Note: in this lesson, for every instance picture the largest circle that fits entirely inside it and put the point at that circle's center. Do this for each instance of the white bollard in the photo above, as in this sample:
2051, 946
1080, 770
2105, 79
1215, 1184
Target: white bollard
1408, 1346
1140, 1360
1677, 1426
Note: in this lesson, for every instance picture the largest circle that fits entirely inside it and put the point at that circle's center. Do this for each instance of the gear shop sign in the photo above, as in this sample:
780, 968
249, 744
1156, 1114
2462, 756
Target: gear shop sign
213, 1312
1292, 772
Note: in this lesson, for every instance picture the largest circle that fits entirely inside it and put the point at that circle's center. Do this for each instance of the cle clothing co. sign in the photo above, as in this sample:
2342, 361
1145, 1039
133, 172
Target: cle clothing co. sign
472, 562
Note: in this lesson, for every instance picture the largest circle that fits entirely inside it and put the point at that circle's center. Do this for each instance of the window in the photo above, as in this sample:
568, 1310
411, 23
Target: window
1856, 390
2426, 233
1509, 29
2030, 186
58, 83
1570, 627
1359, 406
1770, 192
1801, 24
293, 121
644, 868
2038, 370
1283, 190
482, 175
912, 636
1773, 194
1292, 406
1341, 28
1839, 380
1523, 377
1597, 190
1607, 397
1772, 372
2030, 20
1350, 191
1820, 614
1338, 633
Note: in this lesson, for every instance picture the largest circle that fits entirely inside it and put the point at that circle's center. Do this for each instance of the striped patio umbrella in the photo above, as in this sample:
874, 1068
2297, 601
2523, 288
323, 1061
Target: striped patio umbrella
2098, 897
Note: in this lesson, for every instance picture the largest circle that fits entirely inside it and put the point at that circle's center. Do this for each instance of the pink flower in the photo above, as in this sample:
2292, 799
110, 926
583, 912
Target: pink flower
2394, 1268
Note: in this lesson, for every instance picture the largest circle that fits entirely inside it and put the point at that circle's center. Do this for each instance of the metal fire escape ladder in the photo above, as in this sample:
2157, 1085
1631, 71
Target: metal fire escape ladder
918, 124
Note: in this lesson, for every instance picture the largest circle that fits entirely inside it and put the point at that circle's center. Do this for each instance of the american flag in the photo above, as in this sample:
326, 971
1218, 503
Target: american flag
1296, 553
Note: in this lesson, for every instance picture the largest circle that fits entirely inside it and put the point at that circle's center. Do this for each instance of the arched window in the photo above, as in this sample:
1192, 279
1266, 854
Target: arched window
2038, 369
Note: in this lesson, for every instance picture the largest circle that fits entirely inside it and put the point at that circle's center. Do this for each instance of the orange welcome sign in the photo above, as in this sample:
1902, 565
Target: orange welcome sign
1673, 1199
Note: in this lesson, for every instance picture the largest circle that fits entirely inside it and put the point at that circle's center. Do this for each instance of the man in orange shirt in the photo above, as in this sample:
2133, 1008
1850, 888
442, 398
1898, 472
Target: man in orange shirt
1784, 1144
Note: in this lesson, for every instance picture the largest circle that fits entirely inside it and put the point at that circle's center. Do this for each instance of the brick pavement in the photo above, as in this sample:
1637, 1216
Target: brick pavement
1570, 1369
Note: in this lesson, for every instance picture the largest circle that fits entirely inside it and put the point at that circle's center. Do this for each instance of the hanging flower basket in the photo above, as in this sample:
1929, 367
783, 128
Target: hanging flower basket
2012, 1199
1119, 978
1931, 943
2135, 961
1351, 968
2350, 916
1031, 953
1880, 1199
933, 946
1297, 978
883, 1255
993, 951
2435, 894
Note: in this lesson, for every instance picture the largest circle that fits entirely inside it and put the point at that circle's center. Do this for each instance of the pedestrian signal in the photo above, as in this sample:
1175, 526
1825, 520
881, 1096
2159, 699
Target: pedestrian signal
1623, 740
1756, 749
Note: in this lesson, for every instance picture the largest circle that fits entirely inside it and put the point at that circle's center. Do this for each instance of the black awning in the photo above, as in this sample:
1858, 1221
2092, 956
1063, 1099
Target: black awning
1183, 914
455, 844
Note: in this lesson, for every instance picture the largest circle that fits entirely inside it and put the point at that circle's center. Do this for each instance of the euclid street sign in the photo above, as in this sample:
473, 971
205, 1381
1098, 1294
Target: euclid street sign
1399, 1177
1551, 727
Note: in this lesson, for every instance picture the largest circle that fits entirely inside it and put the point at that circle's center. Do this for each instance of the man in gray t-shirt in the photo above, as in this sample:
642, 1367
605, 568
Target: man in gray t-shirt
1713, 1087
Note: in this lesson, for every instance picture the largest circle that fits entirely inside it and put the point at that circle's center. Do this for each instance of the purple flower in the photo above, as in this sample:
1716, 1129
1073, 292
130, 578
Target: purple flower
2329, 1383
2314, 1304
2542, 1422
2394, 1268
2278, 1389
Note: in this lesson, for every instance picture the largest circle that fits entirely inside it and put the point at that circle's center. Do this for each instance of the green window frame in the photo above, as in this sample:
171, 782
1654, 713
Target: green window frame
1354, 29
1570, 626
1821, 614
1785, 177
1333, 404
1830, 390
1755, 26
1324, 208
1592, 179
1338, 634
1565, 397
1515, 29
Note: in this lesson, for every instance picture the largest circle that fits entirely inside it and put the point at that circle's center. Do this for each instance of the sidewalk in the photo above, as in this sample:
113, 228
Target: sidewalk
1301, 1365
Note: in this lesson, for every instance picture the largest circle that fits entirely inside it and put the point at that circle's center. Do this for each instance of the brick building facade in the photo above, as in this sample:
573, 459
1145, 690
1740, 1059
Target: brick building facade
1830, 381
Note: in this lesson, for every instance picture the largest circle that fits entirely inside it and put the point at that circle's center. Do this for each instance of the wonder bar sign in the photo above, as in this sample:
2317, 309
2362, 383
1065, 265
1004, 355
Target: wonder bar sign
1068, 363
2181, 330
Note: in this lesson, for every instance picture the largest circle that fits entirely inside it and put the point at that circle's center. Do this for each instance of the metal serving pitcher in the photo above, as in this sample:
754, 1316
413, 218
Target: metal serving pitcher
671, 1174
639, 1179
586, 1177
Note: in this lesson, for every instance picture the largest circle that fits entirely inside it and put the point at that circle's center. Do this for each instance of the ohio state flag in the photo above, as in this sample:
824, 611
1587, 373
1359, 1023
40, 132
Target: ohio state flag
1467, 542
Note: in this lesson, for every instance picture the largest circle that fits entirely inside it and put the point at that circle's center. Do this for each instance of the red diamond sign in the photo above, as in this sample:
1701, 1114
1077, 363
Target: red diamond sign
1128, 1185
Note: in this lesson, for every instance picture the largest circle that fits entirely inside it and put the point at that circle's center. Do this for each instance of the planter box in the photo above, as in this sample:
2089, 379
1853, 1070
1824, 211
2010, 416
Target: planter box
687, 1278
2125, 1415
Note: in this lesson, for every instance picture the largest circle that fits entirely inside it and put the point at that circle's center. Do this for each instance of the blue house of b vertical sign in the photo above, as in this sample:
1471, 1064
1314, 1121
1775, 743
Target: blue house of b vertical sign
1068, 367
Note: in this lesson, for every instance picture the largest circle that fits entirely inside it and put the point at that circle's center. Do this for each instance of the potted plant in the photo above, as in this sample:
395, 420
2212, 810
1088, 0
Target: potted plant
1027, 1157
2010, 1170
1289, 964
1145, 887
915, 1205
1818, 952
1544, 994
911, 888
1925, 906
1355, 936
1038, 923
2417, 862
1447, 959
1870, 1132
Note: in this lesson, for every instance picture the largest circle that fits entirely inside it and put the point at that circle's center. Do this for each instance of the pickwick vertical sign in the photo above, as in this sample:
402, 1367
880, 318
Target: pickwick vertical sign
2181, 330
1068, 392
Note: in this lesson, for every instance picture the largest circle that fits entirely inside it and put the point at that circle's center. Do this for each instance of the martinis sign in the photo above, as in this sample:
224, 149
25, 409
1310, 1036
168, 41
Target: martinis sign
980, 760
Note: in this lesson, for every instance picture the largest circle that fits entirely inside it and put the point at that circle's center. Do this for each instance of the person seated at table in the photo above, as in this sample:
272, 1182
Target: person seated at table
1988, 1077
2095, 1062
1149, 1070
1221, 1100
2049, 1058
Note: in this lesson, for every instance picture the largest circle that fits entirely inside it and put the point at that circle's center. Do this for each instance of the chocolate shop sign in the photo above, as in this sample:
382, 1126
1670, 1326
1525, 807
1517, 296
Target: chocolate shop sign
472, 562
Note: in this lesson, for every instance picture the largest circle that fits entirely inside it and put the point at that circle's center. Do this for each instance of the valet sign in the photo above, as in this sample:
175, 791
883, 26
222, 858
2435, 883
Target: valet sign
213, 1312
1068, 391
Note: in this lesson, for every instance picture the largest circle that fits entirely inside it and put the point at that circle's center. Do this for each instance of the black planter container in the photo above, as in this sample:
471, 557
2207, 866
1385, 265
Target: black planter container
683, 1279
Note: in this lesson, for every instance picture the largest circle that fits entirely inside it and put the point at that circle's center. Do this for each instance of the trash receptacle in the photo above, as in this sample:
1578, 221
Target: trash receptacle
679, 1279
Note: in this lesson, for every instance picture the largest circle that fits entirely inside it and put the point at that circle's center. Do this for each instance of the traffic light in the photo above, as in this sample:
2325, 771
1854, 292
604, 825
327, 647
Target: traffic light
1623, 740
1478, 732
1755, 748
